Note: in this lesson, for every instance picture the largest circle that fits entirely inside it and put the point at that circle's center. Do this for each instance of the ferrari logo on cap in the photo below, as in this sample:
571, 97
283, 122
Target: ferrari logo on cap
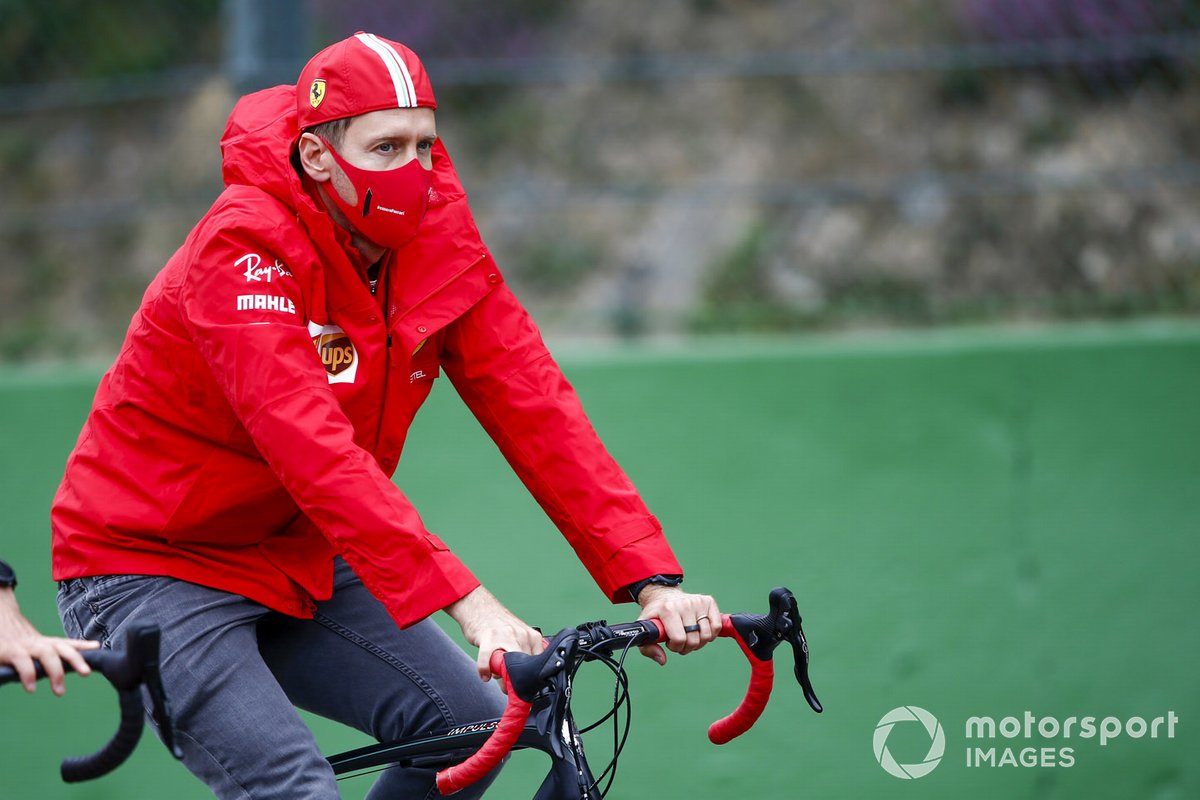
317, 92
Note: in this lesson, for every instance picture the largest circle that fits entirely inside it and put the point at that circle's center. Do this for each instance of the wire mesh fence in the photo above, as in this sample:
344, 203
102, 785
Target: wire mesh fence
682, 166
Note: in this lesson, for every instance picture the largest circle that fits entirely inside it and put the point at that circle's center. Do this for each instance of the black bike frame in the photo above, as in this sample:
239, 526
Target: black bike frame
570, 777
551, 727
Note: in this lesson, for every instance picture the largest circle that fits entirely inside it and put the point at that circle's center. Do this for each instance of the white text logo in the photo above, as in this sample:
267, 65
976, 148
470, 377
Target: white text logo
256, 272
1029, 727
265, 302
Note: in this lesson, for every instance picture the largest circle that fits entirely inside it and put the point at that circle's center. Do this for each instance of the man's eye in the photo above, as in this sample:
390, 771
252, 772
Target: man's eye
425, 147
385, 147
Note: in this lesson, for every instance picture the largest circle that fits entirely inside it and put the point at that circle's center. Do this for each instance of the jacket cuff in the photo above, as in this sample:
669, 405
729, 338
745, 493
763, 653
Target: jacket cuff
443, 581
635, 589
635, 561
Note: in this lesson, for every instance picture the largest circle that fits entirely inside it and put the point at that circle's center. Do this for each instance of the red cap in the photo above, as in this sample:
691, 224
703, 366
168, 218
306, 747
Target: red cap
360, 74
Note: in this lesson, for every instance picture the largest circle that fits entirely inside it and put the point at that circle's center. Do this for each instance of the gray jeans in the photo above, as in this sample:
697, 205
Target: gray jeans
235, 671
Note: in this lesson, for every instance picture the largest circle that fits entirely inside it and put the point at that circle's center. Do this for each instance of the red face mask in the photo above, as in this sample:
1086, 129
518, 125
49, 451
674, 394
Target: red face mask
391, 202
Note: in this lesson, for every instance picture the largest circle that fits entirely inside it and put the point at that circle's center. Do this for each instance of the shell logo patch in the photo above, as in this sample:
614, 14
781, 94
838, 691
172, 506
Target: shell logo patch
337, 352
316, 92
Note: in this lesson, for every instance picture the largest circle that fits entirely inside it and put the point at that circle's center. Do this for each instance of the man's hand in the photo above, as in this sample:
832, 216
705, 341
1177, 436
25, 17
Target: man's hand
490, 626
21, 644
691, 620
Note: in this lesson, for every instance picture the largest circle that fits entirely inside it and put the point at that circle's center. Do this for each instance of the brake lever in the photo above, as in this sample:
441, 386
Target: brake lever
529, 675
148, 640
786, 615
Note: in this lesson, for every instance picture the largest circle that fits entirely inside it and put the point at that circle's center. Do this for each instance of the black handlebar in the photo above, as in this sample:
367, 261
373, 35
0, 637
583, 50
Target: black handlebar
548, 675
128, 669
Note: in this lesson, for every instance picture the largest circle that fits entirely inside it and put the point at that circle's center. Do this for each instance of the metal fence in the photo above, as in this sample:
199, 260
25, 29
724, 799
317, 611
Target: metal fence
654, 168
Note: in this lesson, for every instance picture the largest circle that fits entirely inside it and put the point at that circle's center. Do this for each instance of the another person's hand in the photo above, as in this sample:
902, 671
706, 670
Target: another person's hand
21, 645
691, 620
490, 626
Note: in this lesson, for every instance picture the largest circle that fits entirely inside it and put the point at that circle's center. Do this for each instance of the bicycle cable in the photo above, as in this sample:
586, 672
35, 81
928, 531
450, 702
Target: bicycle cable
621, 697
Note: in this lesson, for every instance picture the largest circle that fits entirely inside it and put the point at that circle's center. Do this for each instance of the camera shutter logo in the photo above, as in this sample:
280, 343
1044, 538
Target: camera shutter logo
937, 742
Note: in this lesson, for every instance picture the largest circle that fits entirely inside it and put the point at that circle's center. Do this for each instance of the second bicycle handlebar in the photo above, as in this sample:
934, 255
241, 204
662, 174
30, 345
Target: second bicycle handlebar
525, 676
128, 669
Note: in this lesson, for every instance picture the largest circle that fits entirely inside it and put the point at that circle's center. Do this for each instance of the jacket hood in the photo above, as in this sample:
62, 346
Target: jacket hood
256, 149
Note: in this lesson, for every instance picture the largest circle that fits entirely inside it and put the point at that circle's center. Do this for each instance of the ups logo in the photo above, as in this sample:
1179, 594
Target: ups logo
337, 352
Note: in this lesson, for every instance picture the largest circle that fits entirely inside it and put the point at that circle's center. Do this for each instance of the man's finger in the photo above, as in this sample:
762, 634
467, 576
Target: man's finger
538, 642
483, 664
655, 653
66, 649
53, 667
23, 664
676, 635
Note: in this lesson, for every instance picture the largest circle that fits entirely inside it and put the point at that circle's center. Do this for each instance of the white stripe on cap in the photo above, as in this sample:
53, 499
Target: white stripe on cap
406, 94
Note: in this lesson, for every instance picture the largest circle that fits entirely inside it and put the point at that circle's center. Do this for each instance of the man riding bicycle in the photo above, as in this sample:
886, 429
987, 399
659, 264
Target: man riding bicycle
232, 483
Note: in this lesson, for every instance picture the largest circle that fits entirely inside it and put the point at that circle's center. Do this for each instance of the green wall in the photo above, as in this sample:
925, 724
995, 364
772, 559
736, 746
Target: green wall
978, 523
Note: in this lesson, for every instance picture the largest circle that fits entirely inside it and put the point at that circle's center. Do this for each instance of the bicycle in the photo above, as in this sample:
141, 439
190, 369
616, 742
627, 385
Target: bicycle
539, 716
128, 668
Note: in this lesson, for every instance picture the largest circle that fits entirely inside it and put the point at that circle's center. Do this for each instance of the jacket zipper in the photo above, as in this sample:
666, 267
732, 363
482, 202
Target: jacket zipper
387, 322
385, 278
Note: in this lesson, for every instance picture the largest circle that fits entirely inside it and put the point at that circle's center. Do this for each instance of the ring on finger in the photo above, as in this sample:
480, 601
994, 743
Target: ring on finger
691, 628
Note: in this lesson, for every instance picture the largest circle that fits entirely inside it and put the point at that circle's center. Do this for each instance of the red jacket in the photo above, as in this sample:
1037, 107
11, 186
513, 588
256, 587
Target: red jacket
249, 428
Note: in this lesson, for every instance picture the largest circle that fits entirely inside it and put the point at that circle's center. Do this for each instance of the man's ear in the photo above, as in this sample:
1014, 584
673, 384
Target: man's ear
314, 157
